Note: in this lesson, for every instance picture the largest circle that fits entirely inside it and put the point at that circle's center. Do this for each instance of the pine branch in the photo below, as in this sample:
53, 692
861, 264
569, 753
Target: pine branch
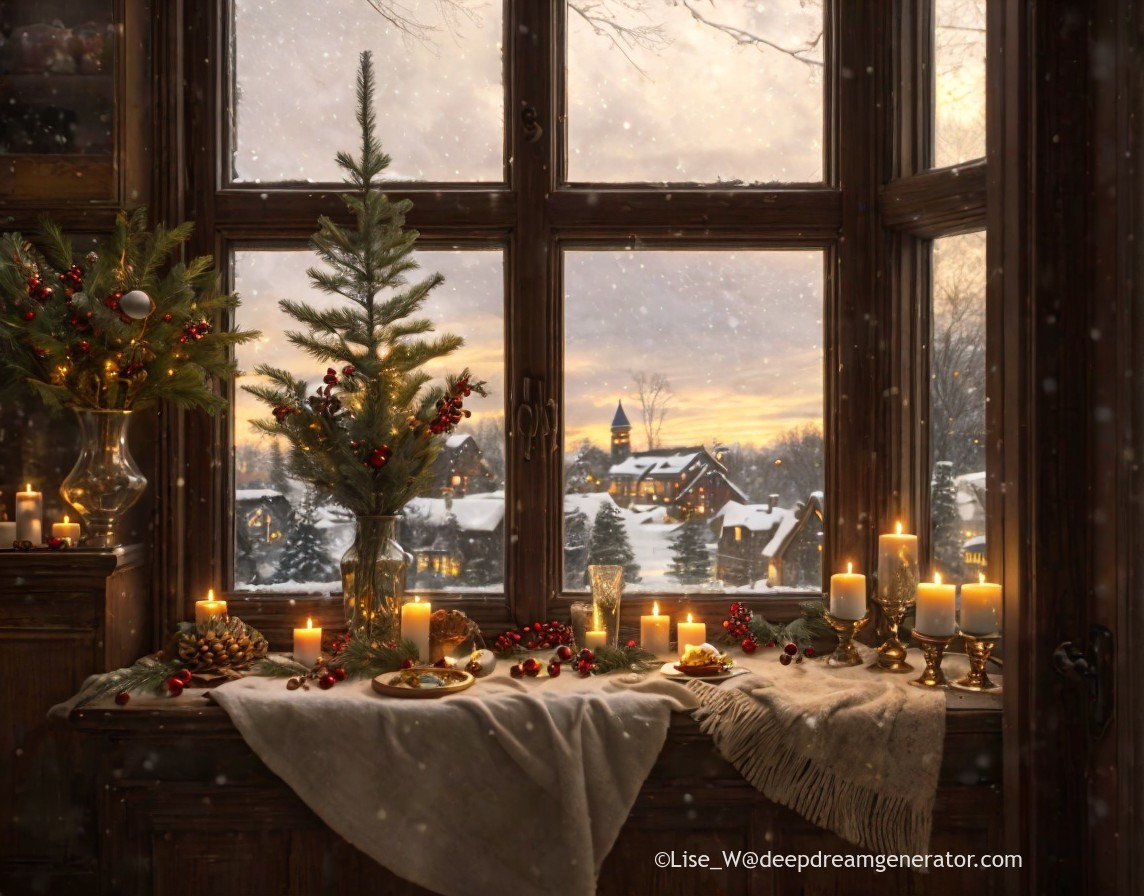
148, 674
277, 667
363, 657
611, 659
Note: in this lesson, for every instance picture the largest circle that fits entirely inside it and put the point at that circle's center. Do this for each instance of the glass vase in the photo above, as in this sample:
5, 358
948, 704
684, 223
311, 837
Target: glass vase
607, 587
373, 578
105, 481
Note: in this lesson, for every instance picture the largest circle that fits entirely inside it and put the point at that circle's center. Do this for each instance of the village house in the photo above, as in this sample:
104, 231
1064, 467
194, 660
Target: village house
687, 481
765, 541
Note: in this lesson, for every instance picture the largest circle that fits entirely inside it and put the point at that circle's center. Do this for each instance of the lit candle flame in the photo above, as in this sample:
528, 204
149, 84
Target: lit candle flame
210, 594
27, 486
849, 568
899, 529
937, 578
981, 578
66, 519
655, 608
688, 617
417, 598
309, 622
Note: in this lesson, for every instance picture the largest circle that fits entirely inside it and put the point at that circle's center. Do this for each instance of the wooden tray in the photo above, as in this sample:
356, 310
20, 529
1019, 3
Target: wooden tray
458, 680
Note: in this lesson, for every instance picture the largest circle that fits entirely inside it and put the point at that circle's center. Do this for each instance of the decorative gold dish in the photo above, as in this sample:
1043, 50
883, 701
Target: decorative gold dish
422, 682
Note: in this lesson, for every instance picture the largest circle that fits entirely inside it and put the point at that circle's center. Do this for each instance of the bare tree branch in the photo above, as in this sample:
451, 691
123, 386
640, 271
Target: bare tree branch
747, 38
654, 394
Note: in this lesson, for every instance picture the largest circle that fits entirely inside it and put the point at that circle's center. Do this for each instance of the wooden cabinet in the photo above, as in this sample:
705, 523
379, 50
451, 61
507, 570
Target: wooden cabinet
187, 808
63, 617
73, 74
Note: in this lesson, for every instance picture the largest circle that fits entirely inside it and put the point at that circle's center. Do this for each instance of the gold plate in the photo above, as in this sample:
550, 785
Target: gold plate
391, 684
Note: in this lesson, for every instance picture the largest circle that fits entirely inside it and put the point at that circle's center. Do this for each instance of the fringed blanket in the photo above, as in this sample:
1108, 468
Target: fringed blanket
853, 751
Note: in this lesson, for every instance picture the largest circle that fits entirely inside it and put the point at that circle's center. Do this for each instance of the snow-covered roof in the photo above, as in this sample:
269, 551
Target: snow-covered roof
256, 494
474, 513
786, 525
666, 464
588, 504
970, 497
753, 517
455, 441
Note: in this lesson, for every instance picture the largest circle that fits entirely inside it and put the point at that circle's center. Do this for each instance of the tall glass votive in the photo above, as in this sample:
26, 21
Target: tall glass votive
607, 588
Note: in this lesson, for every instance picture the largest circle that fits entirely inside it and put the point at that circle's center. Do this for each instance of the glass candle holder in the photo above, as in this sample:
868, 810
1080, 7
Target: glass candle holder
607, 588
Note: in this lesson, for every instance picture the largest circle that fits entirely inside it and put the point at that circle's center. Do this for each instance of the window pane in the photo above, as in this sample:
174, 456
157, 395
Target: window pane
456, 531
693, 404
440, 103
695, 91
957, 396
959, 81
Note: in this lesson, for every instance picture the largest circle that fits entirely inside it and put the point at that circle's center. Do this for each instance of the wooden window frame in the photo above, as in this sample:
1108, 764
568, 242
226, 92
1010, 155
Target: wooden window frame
869, 216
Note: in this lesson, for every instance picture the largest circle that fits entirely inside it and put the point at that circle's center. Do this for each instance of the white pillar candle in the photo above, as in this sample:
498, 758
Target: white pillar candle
848, 594
29, 515
7, 534
205, 609
66, 529
596, 638
893, 551
690, 633
415, 626
981, 608
307, 644
935, 608
655, 632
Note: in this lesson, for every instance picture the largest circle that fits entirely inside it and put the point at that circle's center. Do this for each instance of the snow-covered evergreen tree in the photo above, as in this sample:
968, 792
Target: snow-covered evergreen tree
609, 545
279, 478
305, 556
691, 559
947, 540
575, 550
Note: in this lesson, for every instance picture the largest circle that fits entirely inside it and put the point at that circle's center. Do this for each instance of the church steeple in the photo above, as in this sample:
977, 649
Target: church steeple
621, 435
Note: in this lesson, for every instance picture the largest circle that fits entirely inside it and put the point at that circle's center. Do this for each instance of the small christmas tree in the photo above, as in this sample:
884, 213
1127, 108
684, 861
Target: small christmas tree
305, 557
368, 437
575, 549
947, 540
609, 545
691, 560
279, 478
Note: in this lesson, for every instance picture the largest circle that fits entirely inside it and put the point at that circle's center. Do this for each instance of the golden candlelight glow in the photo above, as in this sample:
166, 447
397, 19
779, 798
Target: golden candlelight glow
937, 578
849, 568
898, 528
210, 594
67, 519
309, 622
655, 608
688, 617
981, 578
28, 487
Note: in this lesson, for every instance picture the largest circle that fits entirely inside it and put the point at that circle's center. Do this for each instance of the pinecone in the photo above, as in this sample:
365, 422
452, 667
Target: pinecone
230, 645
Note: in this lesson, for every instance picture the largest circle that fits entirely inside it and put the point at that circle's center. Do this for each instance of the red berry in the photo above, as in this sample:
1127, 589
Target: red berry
516, 671
553, 670
785, 659
29, 314
326, 682
631, 643
531, 666
587, 655
167, 318
339, 673
736, 607
791, 648
174, 686
407, 664
726, 623
808, 652
184, 675
749, 645
564, 652
772, 644
122, 698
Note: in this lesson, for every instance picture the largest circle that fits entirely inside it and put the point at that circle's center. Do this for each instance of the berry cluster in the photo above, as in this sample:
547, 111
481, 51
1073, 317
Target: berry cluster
538, 636
175, 683
738, 626
451, 408
790, 654
39, 290
72, 280
377, 458
283, 411
195, 330
531, 666
326, 676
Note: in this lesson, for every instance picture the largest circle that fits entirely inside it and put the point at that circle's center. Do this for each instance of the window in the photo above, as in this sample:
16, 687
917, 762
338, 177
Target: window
958, 81
683, 195
957, 407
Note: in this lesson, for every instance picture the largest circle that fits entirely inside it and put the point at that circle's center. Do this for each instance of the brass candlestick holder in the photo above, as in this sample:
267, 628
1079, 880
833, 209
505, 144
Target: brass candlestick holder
978, 648
933, 649
896, 593
846, 654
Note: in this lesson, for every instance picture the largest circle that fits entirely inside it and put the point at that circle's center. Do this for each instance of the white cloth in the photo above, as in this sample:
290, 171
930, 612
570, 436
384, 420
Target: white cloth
854, 751
479, 791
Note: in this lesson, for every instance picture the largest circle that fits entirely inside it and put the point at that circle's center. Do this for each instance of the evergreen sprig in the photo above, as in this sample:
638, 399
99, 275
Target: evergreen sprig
62, 332
368, 438
362, 656
147, 674
277, 667
634, 659
809, 627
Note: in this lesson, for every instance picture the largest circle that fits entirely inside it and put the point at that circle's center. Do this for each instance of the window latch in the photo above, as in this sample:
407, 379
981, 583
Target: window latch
536, 418
1094, 669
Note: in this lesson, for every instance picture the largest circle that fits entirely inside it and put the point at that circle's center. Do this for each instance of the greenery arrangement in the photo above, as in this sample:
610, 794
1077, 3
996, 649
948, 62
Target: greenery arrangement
117, 328
367, 437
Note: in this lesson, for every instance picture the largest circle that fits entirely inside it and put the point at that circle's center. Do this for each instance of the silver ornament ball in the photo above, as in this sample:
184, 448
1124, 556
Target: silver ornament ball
136, 304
